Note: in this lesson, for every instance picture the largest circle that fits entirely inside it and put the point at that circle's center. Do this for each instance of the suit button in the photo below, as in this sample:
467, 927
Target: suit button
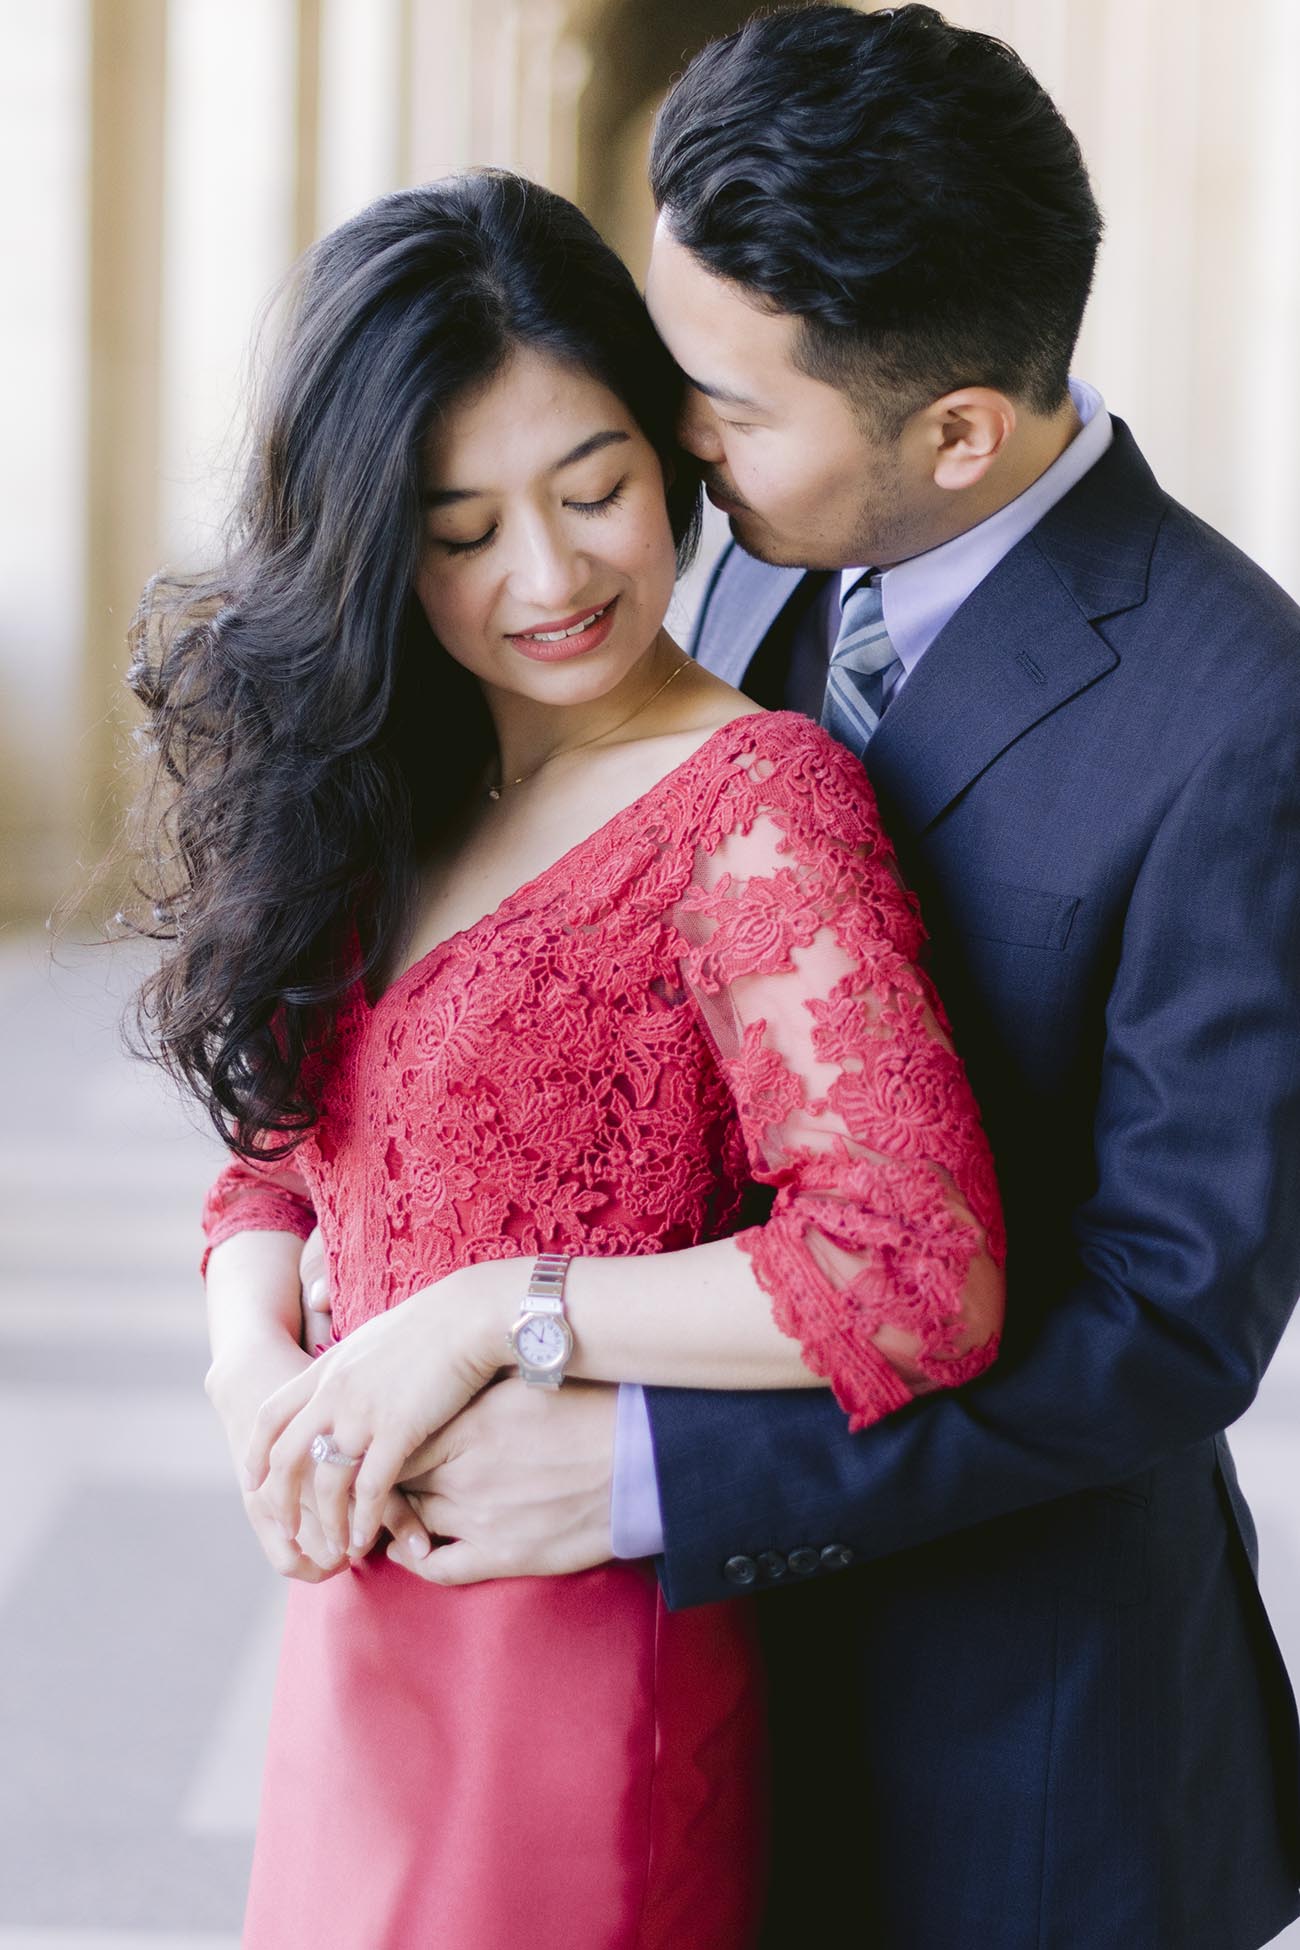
771, 1564
803, 1560
740, 1570
836, 1557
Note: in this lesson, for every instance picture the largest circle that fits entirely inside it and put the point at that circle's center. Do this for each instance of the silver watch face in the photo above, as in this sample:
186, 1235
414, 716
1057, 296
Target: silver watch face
543, 1341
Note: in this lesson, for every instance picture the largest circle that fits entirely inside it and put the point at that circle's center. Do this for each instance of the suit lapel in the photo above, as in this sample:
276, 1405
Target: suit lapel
1020, 647
1017, 649
1022, 644
744, 600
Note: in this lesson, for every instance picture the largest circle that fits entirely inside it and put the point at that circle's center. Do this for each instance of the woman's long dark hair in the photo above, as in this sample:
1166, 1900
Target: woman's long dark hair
310, 736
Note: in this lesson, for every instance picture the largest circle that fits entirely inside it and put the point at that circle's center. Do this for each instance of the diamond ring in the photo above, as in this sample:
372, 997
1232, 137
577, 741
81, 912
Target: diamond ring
324, 1449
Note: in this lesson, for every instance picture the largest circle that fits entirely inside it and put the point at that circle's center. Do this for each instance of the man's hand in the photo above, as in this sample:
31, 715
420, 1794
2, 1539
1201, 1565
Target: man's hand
520, 1480
317, 1323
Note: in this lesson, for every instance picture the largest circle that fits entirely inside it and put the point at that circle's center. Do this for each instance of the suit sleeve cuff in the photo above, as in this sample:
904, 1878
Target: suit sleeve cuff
635, 1519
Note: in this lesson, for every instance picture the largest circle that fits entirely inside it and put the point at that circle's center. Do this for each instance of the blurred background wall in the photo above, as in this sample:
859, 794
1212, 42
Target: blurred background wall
163, 161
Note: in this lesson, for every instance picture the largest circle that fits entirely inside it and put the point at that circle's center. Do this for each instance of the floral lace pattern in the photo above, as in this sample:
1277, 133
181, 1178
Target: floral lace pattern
719, 987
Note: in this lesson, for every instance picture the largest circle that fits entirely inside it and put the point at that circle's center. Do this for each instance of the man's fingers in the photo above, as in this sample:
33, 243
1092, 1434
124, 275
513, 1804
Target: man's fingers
410, 1537
314, 1274
449, 1564
420, 1465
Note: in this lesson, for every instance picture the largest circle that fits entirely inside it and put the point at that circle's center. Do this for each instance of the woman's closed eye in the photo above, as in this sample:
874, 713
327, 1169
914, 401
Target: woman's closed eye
606, 501
599, 507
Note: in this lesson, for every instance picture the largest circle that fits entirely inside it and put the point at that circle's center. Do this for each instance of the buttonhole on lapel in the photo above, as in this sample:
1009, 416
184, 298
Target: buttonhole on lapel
1026, 661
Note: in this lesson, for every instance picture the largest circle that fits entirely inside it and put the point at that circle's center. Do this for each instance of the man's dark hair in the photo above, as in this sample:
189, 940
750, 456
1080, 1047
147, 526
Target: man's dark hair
904, 187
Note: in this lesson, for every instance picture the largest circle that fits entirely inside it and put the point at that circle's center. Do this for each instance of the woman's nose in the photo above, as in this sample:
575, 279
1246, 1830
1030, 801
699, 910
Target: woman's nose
550, 573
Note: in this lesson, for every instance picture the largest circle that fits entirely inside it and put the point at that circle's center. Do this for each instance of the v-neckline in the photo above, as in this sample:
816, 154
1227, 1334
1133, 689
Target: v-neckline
529, 887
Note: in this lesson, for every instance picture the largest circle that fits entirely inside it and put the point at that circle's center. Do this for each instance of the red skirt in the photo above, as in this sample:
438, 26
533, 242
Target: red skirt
560, 1763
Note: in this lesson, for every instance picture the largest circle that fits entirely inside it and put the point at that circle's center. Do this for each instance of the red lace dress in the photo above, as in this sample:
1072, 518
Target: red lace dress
719, 986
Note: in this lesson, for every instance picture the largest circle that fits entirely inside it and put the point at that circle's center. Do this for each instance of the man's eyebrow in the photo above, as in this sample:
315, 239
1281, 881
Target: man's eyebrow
611, 437
722, 393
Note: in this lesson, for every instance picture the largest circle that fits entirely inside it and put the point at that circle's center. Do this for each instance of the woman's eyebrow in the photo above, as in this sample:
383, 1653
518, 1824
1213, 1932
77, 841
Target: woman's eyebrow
612, 436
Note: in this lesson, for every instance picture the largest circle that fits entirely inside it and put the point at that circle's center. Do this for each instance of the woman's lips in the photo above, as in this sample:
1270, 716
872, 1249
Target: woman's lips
587, 634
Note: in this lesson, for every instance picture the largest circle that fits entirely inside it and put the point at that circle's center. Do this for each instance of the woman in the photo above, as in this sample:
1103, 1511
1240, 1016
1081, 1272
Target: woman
504, 932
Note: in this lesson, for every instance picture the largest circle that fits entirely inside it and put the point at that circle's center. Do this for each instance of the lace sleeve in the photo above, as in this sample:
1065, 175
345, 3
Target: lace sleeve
253, 1197
884, 1247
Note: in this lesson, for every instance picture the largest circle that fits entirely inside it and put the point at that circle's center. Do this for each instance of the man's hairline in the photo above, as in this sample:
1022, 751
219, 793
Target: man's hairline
807, 328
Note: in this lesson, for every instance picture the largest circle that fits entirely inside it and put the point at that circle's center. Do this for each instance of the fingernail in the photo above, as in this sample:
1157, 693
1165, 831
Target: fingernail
418, 1544
359, 1540
317, 1292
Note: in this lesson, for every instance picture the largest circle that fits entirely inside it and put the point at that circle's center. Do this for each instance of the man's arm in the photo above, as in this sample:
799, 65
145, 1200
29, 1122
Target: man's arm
1190, 1245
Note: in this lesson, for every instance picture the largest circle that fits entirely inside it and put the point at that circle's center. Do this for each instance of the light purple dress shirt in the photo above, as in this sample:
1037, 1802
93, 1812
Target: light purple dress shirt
920, 596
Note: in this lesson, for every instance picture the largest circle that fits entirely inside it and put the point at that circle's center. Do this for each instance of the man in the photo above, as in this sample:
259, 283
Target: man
1029, 1698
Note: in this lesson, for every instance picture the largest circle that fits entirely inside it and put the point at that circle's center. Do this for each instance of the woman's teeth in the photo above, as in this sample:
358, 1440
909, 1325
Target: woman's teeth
558, 636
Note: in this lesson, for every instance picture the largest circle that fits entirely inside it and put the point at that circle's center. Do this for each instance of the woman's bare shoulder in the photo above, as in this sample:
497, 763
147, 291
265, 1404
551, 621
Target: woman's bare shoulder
706, 703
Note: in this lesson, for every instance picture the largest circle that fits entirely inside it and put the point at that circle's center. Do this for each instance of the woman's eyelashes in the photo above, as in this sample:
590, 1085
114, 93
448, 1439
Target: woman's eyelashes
606, 501
600, 507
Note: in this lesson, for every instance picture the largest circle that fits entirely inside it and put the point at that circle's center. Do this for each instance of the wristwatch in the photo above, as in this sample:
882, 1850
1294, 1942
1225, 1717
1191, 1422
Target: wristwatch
541, 1339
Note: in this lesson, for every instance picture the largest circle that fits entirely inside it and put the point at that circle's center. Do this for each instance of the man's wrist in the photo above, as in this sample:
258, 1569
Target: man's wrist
635, 1519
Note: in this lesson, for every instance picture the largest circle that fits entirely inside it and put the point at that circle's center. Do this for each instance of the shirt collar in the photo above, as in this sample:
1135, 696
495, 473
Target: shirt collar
921, 595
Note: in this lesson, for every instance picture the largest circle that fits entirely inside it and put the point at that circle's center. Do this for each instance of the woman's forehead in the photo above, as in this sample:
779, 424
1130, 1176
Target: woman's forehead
535, 414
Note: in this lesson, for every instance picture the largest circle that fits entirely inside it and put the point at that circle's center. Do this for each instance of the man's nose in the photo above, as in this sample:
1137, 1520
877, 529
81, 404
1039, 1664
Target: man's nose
697, 428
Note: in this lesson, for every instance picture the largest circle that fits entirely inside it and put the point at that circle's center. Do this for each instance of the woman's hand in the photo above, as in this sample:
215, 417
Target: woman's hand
380, 1393
237, 1389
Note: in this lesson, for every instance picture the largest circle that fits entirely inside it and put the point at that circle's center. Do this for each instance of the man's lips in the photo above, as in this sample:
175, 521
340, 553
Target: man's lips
730, 504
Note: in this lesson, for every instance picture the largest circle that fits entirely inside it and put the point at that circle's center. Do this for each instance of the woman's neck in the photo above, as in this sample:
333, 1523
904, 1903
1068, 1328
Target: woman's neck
530, 734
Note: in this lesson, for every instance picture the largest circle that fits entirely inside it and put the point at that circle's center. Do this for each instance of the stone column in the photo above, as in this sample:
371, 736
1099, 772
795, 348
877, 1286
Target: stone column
125, 193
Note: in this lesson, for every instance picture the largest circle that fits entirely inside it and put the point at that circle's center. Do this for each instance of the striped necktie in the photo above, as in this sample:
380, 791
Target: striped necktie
862, 658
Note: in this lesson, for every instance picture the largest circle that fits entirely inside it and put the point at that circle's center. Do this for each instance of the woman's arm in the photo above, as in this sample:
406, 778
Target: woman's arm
879, 1268
252, 1285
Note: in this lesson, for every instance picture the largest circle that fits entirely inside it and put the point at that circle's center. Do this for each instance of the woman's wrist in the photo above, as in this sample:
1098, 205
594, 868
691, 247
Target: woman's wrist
482, 1304
251, 1369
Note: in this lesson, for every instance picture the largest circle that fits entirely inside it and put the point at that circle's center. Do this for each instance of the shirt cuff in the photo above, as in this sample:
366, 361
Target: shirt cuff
636, 1525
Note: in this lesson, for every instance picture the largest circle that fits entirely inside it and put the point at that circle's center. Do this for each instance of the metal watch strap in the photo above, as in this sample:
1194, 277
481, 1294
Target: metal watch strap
546, 1288
544, 1295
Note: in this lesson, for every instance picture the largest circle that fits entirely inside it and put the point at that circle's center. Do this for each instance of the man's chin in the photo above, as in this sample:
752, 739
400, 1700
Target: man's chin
758, 541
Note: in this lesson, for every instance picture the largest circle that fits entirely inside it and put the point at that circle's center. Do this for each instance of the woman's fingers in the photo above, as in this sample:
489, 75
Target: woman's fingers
282, 1553
296, 1472
272, 1419
383, 1465
314, 1544
331, 1492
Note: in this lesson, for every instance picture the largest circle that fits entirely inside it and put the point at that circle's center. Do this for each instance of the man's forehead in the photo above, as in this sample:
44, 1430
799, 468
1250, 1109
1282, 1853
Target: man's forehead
730, 348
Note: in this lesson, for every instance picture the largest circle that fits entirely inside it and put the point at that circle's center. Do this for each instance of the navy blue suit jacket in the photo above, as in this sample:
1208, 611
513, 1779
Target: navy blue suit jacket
1042, 1708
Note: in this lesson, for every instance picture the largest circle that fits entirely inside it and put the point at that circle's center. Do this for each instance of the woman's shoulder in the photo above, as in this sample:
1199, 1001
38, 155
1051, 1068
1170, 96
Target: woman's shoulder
784, 766
795, 756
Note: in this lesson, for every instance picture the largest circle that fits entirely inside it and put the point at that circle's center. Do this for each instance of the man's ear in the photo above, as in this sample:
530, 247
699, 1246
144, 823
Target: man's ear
967, 430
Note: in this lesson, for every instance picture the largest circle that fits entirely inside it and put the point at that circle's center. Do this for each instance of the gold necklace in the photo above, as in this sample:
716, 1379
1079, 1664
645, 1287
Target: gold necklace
495, 791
